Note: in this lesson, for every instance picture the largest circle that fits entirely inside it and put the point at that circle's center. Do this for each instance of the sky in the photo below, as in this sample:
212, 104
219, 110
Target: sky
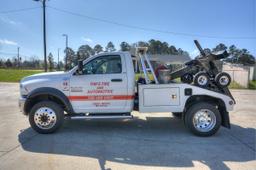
177, 22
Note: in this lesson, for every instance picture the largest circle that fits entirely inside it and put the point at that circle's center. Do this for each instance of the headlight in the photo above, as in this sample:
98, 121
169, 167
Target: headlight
23, 89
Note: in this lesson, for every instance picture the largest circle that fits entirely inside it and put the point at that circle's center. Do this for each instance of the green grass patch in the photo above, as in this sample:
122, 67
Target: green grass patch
15, 75
235, 85
252, 85
137, 75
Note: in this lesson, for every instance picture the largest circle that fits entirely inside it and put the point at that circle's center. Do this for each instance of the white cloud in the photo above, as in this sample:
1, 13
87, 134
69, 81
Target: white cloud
87, 40
8, 21
7, 42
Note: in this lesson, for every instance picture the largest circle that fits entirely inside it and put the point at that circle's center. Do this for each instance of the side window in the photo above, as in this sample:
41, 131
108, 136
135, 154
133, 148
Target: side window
104, 65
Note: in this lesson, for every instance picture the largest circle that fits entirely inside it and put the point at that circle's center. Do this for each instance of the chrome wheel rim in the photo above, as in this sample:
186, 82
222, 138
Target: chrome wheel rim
202, 80
204, 120
224, 80
45, 118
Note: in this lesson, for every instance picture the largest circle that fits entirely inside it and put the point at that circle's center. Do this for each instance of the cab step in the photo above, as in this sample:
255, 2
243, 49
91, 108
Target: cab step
100, 116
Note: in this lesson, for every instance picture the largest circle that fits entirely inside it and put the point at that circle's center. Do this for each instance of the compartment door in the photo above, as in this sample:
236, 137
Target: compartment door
158, 98
161, 97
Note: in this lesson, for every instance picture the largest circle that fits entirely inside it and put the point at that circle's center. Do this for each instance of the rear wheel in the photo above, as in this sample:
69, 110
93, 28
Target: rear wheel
203, 119
46, 117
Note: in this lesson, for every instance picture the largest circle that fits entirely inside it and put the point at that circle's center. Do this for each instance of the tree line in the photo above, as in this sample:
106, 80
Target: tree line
154, 47
32, 63
237, 55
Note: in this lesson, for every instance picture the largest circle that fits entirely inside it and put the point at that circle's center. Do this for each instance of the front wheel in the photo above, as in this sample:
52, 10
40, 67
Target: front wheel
203, 119
46, 117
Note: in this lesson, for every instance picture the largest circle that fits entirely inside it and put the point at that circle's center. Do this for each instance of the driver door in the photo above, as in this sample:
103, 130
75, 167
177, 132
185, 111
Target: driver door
102, 88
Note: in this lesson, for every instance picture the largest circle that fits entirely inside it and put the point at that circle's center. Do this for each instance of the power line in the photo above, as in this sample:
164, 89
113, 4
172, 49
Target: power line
128, 26
18, 10
145, 28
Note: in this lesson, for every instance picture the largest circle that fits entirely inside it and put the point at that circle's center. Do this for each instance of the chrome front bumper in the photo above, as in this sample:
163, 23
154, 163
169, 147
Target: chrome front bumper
22, 101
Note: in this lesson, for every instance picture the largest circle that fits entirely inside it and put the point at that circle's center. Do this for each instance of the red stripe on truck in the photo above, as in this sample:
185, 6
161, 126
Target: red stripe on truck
107, 97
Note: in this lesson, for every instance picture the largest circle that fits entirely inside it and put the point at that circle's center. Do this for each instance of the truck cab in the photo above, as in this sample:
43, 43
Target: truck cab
104, 86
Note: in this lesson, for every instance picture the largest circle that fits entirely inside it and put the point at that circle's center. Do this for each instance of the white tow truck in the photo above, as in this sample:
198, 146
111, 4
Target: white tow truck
104, 86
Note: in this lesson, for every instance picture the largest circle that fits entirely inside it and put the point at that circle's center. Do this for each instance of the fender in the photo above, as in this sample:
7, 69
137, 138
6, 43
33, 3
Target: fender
221, 104
47, 91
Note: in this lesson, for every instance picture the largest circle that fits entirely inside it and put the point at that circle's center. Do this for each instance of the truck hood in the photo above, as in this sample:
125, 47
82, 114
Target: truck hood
49, 76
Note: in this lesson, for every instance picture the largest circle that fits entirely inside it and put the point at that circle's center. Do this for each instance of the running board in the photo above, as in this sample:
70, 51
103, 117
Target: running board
100, 116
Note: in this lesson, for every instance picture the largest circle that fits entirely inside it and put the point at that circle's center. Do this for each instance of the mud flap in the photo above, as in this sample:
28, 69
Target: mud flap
225, 119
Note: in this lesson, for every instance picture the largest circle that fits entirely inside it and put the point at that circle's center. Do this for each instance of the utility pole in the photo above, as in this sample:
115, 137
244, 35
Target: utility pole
18, 57
58, 58
66, 59
45, 60
44, 30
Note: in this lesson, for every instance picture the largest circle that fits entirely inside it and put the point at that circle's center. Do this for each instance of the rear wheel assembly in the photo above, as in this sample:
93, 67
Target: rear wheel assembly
203, 119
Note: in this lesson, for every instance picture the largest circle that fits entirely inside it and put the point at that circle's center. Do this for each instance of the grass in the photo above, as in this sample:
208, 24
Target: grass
235, 85
252, 85
137, 75
15, 75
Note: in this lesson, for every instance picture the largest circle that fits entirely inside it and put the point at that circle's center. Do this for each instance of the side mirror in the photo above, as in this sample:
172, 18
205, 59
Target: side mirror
80, 67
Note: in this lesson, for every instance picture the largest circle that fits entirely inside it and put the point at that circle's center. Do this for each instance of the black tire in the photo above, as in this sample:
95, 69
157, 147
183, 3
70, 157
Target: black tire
190, 113
220, 76
177, 114
59, 113
201, 76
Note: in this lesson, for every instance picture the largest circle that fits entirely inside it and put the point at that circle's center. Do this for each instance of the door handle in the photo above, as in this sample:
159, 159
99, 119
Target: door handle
116, 80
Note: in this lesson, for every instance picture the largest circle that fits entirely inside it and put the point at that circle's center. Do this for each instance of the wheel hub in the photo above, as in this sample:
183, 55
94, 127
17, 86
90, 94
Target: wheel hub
224, 80
204, 120
202, 80
45, 118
